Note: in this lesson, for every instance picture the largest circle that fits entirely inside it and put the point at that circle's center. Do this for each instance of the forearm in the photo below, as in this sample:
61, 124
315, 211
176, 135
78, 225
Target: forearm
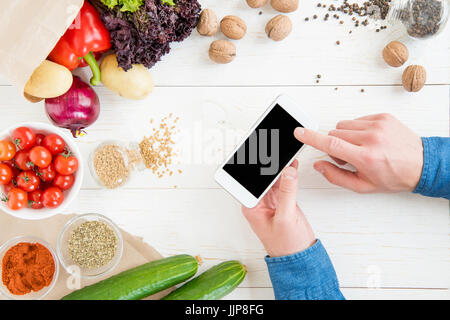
435, 179
306, 275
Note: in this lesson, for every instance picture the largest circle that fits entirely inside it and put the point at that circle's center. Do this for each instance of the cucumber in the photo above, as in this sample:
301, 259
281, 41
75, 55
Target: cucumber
213, 284
140, 282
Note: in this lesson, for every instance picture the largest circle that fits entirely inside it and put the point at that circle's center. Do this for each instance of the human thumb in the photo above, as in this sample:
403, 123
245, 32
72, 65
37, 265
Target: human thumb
287, 192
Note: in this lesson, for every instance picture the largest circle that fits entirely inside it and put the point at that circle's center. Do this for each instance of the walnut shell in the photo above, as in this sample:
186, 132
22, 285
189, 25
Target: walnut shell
233, 27
222, 51
395, 54
208, 25
284, 6
279, 27
414, 78
257, 3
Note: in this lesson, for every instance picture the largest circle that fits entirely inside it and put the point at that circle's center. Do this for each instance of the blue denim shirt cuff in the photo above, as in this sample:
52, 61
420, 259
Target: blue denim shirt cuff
306, 275
435, 179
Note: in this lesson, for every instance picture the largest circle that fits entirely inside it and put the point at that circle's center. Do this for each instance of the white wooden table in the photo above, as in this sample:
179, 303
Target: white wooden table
383, 246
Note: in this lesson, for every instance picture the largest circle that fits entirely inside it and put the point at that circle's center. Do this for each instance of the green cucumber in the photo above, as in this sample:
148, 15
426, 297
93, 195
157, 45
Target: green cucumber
213, 284
140, 282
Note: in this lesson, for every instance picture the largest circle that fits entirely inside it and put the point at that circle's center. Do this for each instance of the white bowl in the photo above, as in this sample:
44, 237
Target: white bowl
69, 195
32, 295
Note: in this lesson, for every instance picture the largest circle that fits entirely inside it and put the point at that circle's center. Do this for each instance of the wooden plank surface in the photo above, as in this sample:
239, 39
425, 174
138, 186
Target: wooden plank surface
400, 239
213, 120
310, 50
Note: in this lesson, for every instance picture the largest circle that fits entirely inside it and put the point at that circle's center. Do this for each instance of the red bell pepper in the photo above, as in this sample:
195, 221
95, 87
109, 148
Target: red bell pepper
87, 35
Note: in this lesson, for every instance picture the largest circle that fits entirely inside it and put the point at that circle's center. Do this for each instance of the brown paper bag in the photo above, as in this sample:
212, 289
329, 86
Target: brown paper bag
29, 30
135, 251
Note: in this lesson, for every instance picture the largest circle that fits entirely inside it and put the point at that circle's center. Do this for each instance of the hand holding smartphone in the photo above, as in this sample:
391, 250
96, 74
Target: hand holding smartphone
256, 164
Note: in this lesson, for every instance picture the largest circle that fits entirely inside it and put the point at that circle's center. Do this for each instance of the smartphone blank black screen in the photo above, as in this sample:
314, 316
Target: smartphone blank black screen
266, 152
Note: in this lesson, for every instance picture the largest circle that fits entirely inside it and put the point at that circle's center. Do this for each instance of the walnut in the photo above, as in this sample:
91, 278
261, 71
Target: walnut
285, 6
257, 3
395, 54
414, 78
279, 27
233, 27
222, 51
208, 23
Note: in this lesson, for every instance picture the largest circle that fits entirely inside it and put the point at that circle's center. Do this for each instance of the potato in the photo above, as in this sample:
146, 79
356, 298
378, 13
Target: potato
49, 80
31, 98
135, 83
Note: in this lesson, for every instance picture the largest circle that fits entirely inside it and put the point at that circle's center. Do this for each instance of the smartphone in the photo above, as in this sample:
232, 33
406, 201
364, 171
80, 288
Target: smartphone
256, 163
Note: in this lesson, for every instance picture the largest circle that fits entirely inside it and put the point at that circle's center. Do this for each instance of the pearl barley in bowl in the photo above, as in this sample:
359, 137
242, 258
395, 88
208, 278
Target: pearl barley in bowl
41, 173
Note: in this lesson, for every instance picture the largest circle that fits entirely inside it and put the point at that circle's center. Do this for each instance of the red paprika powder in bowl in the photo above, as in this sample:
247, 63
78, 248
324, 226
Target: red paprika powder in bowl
29, 268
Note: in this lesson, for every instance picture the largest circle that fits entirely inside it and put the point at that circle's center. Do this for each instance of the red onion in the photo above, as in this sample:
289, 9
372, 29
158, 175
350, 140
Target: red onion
75, 110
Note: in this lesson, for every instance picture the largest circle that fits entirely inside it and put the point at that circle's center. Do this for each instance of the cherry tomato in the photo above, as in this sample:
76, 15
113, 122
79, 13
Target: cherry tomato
7, 150
54, 143
10, 186
22, 160
47, 174
52, 197
11, 164
64, 182
5, 174
24, 138
41, 157
17, 199
28, 181
35, 199
66, 164
39, 138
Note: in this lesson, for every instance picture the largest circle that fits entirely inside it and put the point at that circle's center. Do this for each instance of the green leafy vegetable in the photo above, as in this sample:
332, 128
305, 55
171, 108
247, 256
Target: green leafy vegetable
169, 2
110, 3
131, 5
125, 5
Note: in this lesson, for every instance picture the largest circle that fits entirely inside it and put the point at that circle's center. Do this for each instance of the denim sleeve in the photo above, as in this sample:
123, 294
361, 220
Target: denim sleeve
306, 275
435, 180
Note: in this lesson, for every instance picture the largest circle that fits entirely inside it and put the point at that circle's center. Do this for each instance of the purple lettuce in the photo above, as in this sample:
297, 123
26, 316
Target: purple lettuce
144, 36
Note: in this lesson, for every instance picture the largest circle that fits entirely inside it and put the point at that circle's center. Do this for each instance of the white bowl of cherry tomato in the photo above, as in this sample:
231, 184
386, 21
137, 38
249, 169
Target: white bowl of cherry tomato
41, 170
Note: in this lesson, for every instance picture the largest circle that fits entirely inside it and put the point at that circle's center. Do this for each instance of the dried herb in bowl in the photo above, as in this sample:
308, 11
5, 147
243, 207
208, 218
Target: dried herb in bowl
144, 36
93, 244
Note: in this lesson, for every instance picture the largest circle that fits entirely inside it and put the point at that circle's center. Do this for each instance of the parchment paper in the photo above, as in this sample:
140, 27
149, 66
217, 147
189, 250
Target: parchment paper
135, 251
29, 30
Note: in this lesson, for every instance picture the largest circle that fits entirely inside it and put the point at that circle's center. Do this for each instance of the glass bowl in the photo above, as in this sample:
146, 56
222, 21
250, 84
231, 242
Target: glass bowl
131, 156
62, 247
34, 295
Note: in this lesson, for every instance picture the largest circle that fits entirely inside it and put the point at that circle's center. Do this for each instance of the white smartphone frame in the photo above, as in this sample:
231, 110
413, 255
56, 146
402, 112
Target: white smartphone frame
231, 185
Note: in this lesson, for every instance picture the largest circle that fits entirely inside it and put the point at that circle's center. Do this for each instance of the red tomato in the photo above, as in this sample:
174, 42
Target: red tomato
24, 138
28, 181
47, 174
41, 157
17, 199
5, 174
35, 199
66, 164
7, 150
64, 182
7, 188
15, 170
39, 138
52, 197
54, 143
22, 160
